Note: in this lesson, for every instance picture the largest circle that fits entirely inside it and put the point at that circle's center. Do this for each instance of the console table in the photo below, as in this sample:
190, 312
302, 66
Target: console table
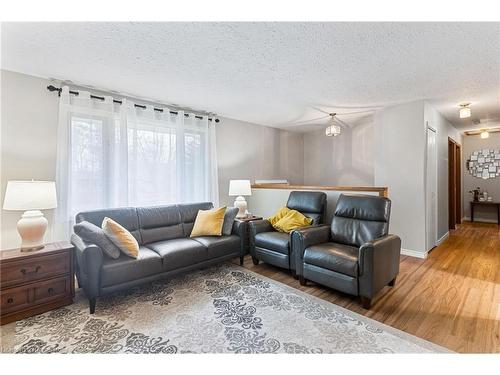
485, 203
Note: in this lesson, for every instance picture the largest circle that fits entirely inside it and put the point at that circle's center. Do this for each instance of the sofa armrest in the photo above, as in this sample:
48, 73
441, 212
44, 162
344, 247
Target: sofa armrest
378, 263
302, 238
89, 262
239, 229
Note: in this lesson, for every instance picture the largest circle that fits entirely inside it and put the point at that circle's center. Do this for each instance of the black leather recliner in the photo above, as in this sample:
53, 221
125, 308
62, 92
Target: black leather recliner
273, 247
355, 255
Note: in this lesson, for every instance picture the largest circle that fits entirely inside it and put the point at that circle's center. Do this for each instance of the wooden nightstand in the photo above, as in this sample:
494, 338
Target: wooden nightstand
245, 221
35, 282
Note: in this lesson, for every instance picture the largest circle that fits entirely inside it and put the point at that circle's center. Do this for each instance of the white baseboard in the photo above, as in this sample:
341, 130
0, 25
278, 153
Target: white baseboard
442, 239
480, 220
413, 253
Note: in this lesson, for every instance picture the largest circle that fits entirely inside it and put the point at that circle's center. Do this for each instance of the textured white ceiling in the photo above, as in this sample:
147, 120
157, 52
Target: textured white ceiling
271, 73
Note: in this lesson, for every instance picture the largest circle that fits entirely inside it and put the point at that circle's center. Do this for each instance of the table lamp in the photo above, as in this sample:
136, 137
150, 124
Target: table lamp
31, 197
239, 188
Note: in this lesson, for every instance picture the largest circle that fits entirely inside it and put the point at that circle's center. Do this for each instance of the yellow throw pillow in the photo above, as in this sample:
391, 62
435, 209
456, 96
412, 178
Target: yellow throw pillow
209, 222
291, 221
279, 215
120, 237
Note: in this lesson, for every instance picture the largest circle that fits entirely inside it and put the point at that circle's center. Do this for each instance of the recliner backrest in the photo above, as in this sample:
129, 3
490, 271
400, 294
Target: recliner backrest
310, 203
360, 218
126, 217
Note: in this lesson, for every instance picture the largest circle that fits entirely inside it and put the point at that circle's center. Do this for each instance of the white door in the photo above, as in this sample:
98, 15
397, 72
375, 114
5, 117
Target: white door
431, 189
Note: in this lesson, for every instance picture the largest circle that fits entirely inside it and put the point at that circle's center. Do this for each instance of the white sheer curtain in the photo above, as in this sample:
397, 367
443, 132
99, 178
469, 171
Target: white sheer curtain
112, 155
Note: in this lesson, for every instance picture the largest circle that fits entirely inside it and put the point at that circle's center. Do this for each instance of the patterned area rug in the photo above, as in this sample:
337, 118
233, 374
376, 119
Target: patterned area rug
223, 309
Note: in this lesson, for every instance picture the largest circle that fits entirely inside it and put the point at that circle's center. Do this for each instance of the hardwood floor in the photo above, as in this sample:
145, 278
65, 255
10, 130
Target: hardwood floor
452, 298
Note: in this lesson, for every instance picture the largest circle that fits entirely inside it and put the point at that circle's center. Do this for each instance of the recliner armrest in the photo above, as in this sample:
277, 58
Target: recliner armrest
378, 263
259, 226
302, 238
310, 236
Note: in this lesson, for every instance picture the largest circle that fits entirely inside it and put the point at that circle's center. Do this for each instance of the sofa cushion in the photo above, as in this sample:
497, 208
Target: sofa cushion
124, 269
189, 212
291, 221
335, 257
276, 241
121, 237
126, 217
93, 234
160, 223
229, 217
208, 222
179, 252
220, 246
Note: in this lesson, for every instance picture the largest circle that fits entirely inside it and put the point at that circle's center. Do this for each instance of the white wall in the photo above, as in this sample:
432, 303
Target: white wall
400, 165
28, 146
28, 139
473, 143
444, 131
339, 161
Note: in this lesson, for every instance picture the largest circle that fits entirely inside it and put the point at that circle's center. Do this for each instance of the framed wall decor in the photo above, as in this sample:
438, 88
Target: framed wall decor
484, 164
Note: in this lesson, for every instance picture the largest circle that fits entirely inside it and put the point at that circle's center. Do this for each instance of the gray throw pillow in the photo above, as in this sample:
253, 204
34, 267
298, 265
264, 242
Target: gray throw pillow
95, 235
229, 217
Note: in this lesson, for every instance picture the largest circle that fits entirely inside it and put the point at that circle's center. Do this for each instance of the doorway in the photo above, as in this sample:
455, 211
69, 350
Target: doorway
431, 190
454, 184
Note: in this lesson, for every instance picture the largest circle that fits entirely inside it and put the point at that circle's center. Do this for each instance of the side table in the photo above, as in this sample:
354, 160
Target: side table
34, 282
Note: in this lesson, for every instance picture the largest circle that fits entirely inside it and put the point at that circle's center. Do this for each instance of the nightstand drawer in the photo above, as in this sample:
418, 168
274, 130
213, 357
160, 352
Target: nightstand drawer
52, 289
14, 299
13, 273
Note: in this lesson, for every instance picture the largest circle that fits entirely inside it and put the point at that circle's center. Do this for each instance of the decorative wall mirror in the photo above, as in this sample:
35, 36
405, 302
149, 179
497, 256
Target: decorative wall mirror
484, 164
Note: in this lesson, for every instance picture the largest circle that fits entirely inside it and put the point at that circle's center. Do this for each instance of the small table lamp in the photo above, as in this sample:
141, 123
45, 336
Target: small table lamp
31, 197
239, 188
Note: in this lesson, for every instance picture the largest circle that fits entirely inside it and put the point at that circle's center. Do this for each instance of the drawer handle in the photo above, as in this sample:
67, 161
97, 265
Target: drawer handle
51, 290
10, 300
35, 271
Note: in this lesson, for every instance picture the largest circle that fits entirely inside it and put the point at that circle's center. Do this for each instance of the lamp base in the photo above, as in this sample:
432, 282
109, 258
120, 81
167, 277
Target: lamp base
241, 203
31, 228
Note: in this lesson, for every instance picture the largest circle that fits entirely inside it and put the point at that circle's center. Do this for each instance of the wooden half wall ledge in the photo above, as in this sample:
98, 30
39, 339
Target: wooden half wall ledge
382, 191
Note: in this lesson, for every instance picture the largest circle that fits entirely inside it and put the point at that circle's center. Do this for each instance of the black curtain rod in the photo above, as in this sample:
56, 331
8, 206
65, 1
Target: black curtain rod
52, 88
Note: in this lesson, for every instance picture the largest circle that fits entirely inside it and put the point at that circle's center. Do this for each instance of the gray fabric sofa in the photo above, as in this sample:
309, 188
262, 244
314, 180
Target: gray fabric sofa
165, 248
356, 254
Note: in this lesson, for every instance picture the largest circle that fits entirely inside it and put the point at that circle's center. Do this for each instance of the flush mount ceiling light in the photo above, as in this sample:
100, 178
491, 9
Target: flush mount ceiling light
465, 110
333, 128
485, 134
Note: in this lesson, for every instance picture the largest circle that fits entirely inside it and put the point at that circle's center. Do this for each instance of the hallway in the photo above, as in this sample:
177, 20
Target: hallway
452, 298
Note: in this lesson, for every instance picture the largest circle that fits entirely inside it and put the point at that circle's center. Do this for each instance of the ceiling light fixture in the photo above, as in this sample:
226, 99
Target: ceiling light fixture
465, 110
485, 134
333, 129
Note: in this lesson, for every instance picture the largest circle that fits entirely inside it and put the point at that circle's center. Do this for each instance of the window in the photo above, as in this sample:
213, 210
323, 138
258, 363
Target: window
121, 155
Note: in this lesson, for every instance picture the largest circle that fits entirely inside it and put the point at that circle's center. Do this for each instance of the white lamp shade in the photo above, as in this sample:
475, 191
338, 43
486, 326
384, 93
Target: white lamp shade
30, 195
240, 187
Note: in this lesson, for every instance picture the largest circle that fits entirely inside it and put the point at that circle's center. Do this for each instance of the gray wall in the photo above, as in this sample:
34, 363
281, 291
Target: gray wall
473, 143
28, 146
343, 160
400, 165
249, 151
